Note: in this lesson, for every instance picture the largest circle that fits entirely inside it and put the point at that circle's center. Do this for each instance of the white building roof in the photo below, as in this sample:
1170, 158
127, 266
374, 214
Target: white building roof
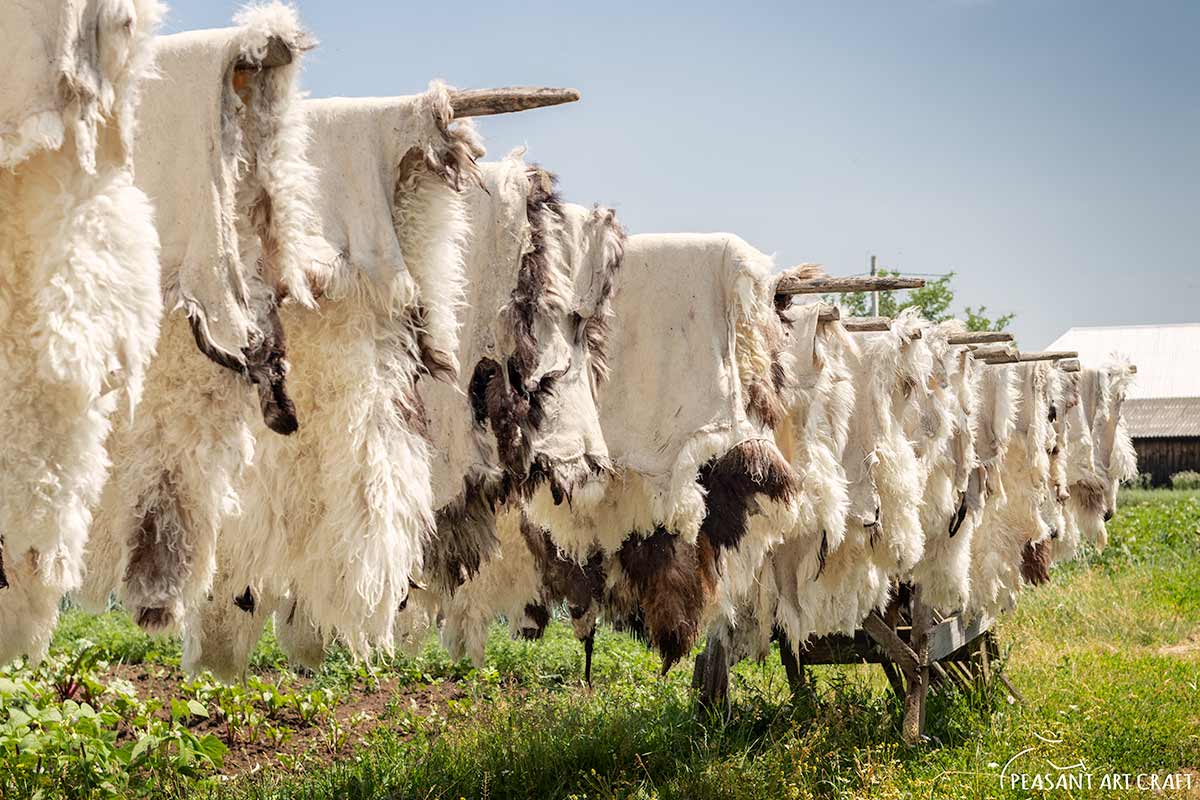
1167, 356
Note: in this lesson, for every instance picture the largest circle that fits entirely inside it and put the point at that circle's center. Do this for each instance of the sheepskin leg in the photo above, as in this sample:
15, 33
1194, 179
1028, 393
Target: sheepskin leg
299, 636
28, 609
175, 478
220, 633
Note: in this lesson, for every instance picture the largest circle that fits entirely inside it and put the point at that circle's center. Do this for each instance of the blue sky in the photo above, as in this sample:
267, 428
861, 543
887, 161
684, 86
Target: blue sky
1047, 151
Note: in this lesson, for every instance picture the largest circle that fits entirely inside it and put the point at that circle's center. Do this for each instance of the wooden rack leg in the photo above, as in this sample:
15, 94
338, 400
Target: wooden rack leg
711, 677
893, 676
913, 726
791, 665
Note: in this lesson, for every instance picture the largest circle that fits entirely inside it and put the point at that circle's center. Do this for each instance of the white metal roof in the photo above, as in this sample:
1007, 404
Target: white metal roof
1167, 356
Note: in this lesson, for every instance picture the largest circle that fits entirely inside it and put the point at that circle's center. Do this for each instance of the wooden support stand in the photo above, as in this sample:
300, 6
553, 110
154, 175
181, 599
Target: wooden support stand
917, 649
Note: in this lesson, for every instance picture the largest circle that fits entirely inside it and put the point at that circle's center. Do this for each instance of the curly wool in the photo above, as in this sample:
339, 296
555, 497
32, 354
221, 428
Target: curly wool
177, 463
79, 310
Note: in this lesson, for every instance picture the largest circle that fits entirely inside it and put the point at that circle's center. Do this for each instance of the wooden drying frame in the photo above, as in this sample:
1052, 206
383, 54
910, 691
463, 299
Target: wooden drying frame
916, 647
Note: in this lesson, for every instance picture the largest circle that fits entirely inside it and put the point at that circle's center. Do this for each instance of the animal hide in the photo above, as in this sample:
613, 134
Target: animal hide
701, 491
545, 437
811, 437
883, 536
1013, 516
79, 287
221, 152
947, 442
540, 275
337, 516
1094, 487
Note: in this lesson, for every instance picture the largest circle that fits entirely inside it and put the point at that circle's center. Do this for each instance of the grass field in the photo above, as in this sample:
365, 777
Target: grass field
1107, 657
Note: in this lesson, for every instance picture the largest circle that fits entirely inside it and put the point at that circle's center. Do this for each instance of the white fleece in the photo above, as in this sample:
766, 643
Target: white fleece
79, 296
226, 169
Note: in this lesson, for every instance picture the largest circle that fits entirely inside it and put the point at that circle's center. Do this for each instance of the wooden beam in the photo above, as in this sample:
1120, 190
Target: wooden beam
952, 634
829, 313
892, 645
278, 55
863, 283
862, 324
994, 353
1048, 355
1069, 365
979, 337
508, 99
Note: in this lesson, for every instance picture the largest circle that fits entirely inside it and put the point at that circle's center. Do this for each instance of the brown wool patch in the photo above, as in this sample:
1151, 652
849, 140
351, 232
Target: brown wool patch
1035, 563
730, 484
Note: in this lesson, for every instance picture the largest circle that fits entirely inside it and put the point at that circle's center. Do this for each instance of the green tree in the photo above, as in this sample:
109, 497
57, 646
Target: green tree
934, 300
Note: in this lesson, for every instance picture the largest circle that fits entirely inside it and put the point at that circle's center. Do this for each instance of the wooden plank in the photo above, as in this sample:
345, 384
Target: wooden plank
863, 283
953, 634
862, 324
892, 645
979, 337
1069, 365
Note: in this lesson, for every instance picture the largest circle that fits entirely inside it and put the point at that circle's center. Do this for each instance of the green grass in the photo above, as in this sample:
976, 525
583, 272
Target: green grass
1107, 656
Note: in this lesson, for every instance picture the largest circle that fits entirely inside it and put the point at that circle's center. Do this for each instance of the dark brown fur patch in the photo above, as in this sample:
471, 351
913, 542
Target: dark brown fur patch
731, 482
673, 582
264, 364
1035, 563
465, 537
563, 580
245, 601
3, 577
539, 614
533, 278
157, 551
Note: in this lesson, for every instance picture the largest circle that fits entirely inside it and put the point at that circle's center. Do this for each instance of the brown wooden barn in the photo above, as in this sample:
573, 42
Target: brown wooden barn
1162, 409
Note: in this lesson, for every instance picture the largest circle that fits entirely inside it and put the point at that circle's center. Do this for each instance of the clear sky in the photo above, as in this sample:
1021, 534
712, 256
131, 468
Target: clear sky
1048, 151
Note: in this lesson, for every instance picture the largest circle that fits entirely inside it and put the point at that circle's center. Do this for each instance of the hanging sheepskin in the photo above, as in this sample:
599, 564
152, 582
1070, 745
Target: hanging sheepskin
540, 275
811, 436
335, 518
221, 153
946, 441
550, 309
1093, 487
698, 374
1013, 518
883, 537
79, 286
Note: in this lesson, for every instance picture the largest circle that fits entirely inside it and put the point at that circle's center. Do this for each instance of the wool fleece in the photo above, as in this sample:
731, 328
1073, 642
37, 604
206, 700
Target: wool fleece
698, 373
336, 518
944, 430
1093, 488
221, 153
79, 286
811, 436
1013, 518
542, 272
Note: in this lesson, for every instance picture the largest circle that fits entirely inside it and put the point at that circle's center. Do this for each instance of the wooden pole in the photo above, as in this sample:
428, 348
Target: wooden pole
862, 324
829, 313
913, 726
979, 337
508, 99
1048, 355
874, 295
880, 283
1069, 365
